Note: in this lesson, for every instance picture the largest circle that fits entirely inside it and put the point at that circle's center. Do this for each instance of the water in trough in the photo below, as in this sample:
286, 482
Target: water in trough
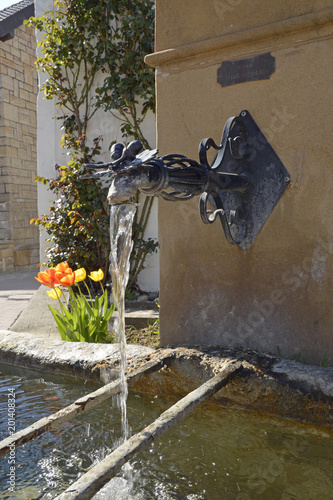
215, 453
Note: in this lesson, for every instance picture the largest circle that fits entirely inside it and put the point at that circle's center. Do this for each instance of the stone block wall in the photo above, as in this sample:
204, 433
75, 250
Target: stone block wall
19, 241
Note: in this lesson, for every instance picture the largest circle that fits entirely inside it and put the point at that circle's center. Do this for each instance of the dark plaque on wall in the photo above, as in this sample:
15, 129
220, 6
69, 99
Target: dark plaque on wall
246, 70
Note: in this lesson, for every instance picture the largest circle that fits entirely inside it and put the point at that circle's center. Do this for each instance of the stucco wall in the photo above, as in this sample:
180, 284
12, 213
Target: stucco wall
279, 292
50, 154
19, 247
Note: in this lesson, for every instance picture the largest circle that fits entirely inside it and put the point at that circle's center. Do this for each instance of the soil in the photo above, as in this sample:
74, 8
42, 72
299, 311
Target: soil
149, 337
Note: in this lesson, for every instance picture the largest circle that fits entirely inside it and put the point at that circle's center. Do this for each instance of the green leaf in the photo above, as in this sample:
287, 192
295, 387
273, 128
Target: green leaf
61, 323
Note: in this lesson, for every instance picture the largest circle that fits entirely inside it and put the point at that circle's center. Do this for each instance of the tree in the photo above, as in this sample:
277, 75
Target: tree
81, 39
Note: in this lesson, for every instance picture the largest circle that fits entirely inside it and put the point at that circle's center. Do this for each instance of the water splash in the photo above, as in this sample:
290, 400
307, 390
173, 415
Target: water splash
121, 221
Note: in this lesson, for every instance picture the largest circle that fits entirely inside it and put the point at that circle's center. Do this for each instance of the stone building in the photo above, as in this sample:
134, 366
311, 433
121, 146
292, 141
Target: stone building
19, 241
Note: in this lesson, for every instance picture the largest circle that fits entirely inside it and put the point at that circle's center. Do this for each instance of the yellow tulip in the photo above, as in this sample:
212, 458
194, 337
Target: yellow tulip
80, 275
55, 293
97, 275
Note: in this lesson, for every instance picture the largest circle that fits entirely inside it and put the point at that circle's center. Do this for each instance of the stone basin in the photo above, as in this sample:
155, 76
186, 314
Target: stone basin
267, 384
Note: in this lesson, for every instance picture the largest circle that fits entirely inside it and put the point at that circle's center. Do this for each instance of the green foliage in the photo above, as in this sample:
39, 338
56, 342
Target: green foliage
325, 362
129, 82
83, 37
80, 39
148, 336
300, 358
82, 320
68, 50
78, 222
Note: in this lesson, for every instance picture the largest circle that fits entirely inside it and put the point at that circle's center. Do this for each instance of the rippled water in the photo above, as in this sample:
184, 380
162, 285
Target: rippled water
214, 454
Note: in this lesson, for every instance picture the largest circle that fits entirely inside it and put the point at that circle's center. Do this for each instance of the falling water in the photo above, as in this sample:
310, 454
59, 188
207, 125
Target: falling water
121, 220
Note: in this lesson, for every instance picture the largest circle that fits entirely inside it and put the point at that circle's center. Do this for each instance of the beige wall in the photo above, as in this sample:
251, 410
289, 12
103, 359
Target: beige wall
19, 247
280, 291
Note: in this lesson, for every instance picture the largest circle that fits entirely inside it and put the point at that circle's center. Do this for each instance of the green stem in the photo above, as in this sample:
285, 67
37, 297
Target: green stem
87, 290
72, 294
60, 303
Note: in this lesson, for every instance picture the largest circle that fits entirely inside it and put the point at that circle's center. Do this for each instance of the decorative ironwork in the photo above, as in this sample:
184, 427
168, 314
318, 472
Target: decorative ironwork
240, 186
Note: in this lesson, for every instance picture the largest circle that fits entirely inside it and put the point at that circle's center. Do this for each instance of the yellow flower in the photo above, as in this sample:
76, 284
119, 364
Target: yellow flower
80, 275
55, 293
97, 275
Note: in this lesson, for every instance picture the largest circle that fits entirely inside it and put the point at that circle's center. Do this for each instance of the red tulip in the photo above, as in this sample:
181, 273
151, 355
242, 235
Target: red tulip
47, 277
62, 267
64, 275
66, 279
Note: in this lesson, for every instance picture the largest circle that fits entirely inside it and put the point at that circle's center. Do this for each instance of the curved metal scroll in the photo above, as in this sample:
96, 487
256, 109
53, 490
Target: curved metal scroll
234, 228
233, 223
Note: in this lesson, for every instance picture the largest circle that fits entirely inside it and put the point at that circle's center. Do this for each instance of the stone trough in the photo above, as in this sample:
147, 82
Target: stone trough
267, 384
236, 378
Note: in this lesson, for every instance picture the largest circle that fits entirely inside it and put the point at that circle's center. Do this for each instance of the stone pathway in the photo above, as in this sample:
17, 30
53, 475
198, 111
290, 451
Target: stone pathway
16, 291
11, 307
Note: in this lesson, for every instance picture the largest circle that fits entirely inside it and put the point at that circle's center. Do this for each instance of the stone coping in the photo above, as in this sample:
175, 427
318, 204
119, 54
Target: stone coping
77, 359
268, 384
293, 29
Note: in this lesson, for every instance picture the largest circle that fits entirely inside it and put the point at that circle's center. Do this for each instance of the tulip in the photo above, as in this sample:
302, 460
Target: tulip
62, 267
80, 275
55, 293
64, 275
96, 275
65, 279
47, 277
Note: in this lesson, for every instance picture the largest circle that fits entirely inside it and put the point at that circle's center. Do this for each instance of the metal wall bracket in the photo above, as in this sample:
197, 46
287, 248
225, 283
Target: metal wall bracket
244, 154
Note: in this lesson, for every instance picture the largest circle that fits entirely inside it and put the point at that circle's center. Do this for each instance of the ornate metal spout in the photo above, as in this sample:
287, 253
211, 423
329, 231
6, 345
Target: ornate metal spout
241, 186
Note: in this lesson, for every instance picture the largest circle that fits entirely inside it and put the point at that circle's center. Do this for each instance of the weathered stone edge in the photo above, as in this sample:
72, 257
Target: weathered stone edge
78, 359
87, 360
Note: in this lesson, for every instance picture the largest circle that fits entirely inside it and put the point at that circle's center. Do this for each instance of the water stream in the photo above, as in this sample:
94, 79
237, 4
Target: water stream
121, 221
